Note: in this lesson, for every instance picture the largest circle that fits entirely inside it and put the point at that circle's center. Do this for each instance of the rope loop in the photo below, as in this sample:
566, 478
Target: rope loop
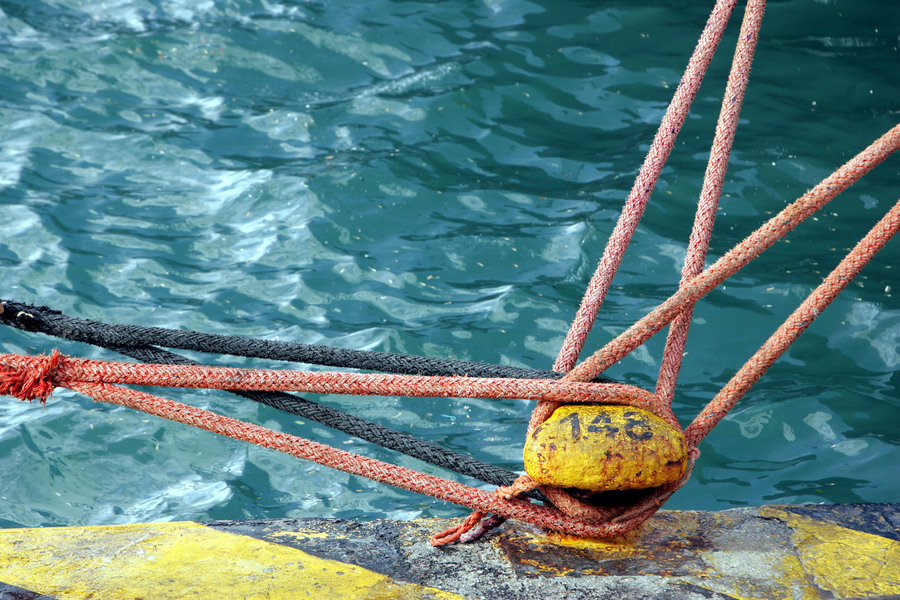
456, 532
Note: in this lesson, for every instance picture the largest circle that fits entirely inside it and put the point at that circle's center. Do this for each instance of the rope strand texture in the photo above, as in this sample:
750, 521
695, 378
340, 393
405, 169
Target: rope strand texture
327, 382
351, 424
118, 337
719, 154
34, 377
45, 320
646, 180
443, 489
755, 244
796, 324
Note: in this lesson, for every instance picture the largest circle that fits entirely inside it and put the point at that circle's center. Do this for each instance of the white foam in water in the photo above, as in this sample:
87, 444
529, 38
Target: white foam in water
15, 31
192, 494
418, 80
283, 125
41, 258
751, 422
189, 11
211, 194
211, 107
373, 106
881, 329
676, 252
566, 244
13, 156
138, 15
368, 54
819, 422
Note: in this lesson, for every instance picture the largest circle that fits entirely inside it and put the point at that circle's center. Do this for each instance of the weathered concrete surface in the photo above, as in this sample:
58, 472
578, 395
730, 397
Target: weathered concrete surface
777, 552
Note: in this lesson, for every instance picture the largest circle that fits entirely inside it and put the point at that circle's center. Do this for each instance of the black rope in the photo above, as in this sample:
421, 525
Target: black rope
106, 335
348, 423
35, 319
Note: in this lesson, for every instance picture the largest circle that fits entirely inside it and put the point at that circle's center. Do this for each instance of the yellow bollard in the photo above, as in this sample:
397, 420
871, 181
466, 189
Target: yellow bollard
605, 447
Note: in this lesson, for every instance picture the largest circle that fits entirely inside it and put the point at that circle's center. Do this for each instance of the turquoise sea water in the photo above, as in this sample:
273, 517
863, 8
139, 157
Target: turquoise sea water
438, 179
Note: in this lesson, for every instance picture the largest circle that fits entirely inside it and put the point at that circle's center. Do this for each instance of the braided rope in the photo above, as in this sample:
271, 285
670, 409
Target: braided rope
51, 322
363, 429
736, 258
634, 207
794, 325
711, 191
542, 516
660, 148
80, 370
646, 180
135, 341
35, 377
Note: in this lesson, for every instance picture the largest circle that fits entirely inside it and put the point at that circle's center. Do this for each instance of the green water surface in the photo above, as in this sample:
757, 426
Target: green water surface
440, 179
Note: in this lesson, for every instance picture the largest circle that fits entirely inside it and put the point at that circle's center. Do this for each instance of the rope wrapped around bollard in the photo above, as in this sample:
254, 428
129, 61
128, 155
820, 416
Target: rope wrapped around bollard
35, 377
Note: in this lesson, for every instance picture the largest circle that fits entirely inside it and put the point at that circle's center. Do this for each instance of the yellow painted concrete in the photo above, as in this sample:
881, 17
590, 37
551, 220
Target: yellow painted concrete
181, 560
844, 561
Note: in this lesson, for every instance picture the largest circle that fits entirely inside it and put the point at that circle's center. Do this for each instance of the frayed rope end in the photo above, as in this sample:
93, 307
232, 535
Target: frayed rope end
453, 534
473, 527
29, 384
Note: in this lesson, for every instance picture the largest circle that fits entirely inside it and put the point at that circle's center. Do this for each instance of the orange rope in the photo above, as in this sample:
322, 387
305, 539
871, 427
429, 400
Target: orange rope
754, 245
695, 283
712, 190
646, 180
81, 370
796, 324
46, 372
34, 377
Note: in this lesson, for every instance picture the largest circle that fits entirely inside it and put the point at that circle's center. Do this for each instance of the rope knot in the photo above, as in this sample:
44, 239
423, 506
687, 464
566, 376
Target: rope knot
30, 380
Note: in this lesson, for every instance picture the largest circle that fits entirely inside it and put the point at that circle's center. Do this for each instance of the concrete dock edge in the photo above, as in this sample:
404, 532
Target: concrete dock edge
769, 552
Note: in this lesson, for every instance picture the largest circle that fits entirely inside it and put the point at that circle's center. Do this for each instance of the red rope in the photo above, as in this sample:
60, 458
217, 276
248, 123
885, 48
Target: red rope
80, 370
695, 283
796, 324
31, 382
712, 190
35, 377
55, 371
758, 241
646, 180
